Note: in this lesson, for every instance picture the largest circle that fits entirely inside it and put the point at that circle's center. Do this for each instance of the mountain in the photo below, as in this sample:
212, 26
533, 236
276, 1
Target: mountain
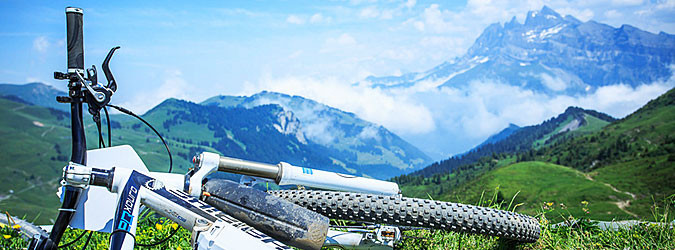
545, 57
501, 135
35, 93
35, 142
553, 54
623, 170
573, 122
635, 154
336, 130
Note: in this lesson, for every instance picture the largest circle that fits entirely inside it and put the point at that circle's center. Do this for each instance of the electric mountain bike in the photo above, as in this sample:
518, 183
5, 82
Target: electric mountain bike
105, 190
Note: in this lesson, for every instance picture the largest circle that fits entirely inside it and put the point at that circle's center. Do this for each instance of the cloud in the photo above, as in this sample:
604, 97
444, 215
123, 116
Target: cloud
41, 44
369, 12
410, 3
479, 111
319, 18
315, 125
433, 19
173, 86
293, 19
396, 112
370, 132
372, 12
553, 83
627, 2
339, 44
613, 14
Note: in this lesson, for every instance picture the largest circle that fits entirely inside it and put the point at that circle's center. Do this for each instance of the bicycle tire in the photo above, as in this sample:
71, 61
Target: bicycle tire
27, 229
403, 211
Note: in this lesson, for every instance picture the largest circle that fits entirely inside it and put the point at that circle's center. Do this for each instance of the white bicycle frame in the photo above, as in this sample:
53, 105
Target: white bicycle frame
132, 184
127, 188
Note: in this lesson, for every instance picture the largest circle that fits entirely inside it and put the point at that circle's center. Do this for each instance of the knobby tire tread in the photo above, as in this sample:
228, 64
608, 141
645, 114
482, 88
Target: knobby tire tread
403, 211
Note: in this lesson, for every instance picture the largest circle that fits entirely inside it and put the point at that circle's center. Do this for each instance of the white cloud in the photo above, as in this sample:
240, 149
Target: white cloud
433, 19
410, 3
41, 44
370, 132
553, 83
293, 19
627, 2
369, 12
397, 113
319, 18
173, 86
345, 39
478, 111
581, 14
341, 44
612, 14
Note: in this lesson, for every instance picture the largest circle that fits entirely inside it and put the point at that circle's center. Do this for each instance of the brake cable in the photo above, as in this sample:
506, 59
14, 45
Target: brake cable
107, 119
128, 112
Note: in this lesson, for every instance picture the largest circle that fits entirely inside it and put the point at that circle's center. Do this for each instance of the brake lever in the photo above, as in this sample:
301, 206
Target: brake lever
112, 84
91, 74
98, 95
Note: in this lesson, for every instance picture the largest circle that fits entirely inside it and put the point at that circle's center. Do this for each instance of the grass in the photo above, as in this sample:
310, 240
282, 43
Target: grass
538, 182
575, 233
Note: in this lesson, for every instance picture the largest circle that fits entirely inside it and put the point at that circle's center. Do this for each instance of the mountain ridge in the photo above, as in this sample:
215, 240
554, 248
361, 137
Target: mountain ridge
548, 48
525, 138
336, 129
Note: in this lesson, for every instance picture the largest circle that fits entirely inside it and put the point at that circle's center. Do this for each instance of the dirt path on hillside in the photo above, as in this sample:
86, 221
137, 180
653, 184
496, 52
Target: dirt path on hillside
47, 131
19, 108
621, 204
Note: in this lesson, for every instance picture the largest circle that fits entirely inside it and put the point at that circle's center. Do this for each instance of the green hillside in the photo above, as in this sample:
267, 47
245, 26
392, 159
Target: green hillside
635, 154
573, 122
624, 170
35, 145
536, 183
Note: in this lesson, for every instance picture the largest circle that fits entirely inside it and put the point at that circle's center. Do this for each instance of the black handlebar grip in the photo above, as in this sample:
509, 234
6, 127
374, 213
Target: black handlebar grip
75, 39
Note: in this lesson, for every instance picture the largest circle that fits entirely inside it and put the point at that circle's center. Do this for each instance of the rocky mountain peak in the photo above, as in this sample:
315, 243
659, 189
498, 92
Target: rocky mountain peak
288, 124
546, 17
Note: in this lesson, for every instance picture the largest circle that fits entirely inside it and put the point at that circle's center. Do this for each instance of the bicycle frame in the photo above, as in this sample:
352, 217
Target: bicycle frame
134, 188
164, 193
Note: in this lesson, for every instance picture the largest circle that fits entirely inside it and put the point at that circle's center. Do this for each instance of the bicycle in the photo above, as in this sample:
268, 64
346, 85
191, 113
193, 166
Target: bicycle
296, 217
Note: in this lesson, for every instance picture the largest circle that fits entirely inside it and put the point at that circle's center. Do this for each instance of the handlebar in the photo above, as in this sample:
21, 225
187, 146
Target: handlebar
75, 39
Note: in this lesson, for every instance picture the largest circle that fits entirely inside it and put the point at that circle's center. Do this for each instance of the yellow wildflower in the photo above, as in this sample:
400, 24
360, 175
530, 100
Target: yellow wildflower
6, 236
159, 226
16, 226
174, 226
584, 203
549, 204
178, 248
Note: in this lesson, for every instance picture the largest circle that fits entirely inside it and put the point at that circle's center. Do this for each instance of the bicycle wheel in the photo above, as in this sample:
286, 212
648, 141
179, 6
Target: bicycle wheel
402, 211
27, 230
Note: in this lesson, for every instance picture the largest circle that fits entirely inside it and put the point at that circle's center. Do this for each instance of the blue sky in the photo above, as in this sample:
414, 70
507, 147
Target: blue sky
318, 49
